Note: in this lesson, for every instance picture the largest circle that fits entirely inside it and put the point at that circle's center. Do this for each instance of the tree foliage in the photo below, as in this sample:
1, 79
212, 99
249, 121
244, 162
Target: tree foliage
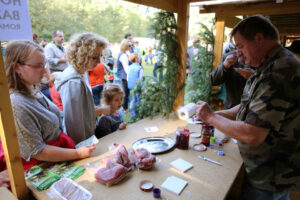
199, 87
105, 17
159, 96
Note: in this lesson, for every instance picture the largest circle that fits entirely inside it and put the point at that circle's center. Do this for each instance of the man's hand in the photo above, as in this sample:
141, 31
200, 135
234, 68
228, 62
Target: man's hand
245, 72
203, 111
230, 60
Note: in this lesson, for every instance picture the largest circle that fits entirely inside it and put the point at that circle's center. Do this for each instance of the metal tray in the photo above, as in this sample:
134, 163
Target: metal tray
154, 144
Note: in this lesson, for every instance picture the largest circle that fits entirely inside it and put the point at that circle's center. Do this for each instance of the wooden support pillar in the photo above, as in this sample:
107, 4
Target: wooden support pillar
218, 46
182, 33
9, 139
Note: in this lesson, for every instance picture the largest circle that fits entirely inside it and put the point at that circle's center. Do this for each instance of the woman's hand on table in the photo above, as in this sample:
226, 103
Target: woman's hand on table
4, 178
85, 151
102, 110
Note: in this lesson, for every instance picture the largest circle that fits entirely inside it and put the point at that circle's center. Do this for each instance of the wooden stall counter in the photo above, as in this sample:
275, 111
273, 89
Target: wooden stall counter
206, 180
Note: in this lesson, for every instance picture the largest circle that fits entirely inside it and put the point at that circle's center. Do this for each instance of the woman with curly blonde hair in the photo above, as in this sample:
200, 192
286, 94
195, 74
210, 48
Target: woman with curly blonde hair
83, 53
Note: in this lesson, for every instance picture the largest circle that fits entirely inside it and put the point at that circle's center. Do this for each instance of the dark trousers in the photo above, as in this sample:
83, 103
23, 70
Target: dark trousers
160, 71
127, 94
97, 90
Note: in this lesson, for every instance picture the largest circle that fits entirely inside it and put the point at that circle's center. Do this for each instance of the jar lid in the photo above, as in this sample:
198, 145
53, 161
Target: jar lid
199, 147
146, 186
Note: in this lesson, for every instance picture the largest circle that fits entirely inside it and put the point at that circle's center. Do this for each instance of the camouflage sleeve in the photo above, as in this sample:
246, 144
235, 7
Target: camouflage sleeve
268, 105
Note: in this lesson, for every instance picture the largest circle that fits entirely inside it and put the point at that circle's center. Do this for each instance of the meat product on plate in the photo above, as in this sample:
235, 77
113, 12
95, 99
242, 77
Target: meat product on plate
144, 159
120, 155
109, 172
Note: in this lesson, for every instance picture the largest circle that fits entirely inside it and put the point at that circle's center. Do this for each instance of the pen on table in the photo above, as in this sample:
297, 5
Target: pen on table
210, 160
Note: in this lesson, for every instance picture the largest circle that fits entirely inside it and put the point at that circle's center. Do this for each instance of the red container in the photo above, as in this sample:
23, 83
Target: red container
207, 131
182, 138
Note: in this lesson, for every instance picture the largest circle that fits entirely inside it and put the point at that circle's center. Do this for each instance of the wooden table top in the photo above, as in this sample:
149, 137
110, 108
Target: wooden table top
205, 180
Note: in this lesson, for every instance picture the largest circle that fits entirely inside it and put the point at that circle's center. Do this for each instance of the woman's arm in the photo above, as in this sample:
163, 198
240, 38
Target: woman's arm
55, 154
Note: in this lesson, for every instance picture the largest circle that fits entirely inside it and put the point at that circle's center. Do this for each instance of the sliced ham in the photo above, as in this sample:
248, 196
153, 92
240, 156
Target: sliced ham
109, 172
120, 155
144, 159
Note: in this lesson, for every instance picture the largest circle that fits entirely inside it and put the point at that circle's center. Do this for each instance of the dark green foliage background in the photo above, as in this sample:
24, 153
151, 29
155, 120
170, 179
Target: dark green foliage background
159, 96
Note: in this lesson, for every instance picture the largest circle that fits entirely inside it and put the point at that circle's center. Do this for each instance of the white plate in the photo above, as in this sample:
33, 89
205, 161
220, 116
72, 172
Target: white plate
154, 144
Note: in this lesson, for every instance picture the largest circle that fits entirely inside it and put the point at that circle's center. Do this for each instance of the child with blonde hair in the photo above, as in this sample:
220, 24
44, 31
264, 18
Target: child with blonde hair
113, 97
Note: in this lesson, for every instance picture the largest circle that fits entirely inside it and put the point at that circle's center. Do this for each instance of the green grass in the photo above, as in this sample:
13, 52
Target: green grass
148, 69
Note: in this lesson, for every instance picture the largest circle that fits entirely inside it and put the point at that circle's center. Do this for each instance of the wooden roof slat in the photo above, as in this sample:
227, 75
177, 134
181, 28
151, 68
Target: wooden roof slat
273, 8
169, 5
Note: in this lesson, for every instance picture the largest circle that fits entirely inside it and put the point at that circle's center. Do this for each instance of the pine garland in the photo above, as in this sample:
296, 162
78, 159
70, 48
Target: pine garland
199, 87
159, 96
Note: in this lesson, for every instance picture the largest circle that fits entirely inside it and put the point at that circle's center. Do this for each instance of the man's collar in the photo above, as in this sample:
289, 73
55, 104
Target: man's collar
270, 56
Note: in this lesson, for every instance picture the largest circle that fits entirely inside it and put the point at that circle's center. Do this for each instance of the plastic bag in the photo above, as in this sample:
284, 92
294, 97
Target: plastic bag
66, 189
120, 155
143, 159
107, 171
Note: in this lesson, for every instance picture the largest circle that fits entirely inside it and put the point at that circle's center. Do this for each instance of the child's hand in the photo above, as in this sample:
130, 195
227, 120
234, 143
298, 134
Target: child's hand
85, 151
122, 126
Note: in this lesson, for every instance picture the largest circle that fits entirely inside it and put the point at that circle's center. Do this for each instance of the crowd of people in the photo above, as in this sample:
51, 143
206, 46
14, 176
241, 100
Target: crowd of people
261, 107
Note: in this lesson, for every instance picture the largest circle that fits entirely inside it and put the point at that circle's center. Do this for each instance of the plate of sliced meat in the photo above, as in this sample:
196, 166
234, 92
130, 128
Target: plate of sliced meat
154, 145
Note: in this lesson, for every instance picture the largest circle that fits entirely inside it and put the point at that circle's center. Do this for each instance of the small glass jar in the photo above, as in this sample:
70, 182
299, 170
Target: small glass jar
182, 138
206, 132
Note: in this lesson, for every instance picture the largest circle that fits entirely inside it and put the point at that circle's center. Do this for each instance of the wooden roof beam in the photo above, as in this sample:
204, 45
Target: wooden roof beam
168, 5
288, 7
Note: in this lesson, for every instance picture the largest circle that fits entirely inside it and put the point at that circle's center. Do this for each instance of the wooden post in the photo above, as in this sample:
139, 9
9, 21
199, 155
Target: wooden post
218, 46
182, 32
9, 139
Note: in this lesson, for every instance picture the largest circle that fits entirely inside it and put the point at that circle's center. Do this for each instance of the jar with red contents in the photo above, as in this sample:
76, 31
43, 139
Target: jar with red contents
182, 138
207, 132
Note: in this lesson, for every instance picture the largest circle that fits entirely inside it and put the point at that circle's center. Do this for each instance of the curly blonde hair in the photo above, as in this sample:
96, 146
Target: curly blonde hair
18, 52
81, 49
110, 90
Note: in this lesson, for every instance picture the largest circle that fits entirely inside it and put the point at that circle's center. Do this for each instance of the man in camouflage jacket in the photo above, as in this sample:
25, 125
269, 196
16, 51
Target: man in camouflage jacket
267, 122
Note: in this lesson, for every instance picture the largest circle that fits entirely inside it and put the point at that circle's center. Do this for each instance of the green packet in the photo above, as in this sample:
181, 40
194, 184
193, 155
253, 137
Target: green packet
67, 170
43, 180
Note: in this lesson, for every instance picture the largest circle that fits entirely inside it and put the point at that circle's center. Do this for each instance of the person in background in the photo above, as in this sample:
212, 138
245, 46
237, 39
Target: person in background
159, 63
266, 123
122, 70
135, 73
55, 96
35, 38
192, 51
96, 77
43, 43
129, 38
44, 85
226, 74
83, 53
137, 50
36, 118
113, 97
55, 52
295, 48
150, 55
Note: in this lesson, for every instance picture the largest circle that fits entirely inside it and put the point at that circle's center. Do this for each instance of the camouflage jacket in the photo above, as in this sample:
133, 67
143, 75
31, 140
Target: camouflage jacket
271, 100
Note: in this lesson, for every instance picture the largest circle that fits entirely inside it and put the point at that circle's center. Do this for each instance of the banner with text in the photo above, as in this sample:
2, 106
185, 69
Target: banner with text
14, 20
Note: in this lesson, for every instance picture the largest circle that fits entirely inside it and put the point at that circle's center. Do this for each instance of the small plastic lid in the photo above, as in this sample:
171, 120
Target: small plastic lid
156, 193
146, 186
199, 147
